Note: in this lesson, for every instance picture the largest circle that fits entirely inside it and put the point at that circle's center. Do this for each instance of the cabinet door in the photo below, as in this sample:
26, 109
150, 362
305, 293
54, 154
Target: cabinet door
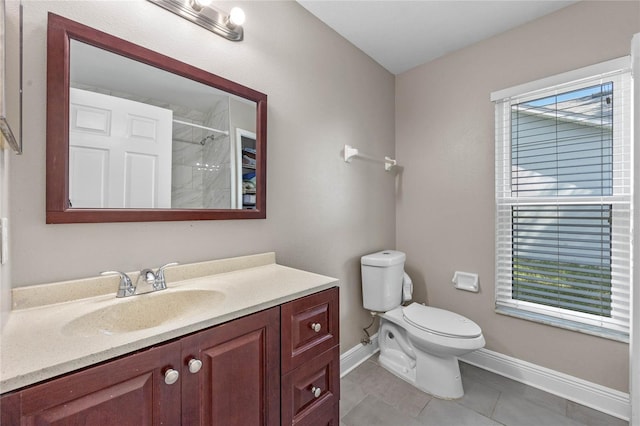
128, 391
239, 381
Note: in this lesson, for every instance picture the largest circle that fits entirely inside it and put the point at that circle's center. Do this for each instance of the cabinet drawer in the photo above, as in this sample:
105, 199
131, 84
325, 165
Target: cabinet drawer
326, 416
300, 406
309, 327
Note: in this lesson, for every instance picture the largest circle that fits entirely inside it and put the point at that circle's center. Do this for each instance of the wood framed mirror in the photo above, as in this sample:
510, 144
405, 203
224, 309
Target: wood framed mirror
135, 136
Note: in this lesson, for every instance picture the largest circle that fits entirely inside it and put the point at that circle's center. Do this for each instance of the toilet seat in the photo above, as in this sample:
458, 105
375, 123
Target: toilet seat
441, 322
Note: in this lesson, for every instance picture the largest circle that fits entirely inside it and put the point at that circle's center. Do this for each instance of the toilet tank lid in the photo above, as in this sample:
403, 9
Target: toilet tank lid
383, 258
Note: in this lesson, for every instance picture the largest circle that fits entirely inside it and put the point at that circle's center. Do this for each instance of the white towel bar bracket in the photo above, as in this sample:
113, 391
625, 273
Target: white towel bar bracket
351, 152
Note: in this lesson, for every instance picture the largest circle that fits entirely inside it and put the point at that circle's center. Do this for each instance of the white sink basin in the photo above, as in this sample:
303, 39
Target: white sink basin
144, 311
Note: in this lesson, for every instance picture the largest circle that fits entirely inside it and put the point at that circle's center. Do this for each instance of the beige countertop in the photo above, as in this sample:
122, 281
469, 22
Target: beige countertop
36, 343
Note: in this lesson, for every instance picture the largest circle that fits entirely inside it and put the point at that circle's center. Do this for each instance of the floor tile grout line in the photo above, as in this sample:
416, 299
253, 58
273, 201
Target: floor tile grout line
493, 410
495, 404
425, 407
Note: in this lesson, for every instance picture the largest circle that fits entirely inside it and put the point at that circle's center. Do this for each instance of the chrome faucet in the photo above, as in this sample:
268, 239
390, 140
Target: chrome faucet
155, 279
126, 287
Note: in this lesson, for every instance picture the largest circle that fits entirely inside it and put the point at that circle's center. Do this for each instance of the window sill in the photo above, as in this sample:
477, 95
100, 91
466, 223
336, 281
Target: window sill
566, 324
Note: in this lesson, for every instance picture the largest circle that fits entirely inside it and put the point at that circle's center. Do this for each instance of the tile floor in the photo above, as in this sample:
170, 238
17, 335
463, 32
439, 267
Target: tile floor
371, 396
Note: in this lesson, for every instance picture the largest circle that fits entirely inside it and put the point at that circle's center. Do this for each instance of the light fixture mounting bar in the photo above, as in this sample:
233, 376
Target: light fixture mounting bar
208, 18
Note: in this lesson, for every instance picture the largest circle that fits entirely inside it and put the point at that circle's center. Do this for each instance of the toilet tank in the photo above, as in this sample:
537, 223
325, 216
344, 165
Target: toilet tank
382, 274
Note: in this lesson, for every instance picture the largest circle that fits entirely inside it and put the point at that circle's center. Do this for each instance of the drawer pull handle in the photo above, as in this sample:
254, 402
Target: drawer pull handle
194, 365
316, 326
171, 376
316, 392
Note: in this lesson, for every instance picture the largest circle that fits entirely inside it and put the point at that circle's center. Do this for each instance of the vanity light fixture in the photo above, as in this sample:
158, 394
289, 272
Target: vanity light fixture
200, 12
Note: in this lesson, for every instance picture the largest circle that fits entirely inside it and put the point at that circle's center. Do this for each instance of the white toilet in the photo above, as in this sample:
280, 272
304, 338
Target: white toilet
418, 343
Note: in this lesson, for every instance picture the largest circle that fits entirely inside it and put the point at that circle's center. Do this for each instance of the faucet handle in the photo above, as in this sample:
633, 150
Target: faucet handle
161, 269
126, 287
161, 283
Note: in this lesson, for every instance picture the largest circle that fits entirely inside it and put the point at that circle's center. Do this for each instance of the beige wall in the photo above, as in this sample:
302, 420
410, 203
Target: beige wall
445, 140
322, 214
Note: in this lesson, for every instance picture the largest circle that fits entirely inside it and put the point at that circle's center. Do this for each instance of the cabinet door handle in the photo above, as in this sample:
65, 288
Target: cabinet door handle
316, 326
316, 391
171, 376
194, 365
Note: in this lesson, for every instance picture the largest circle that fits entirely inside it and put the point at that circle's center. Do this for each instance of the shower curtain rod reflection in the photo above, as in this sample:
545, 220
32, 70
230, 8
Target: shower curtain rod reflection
223, 132
350, 152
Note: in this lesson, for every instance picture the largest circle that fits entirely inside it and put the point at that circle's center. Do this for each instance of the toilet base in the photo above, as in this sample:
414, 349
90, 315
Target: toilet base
396, 354
436, 375
396, 364
439, 377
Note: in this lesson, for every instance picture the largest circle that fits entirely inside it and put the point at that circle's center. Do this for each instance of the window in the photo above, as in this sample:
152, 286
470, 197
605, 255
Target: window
563, 200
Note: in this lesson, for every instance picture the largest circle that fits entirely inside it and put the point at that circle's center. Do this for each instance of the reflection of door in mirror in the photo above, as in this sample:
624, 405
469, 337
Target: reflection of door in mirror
117, 149
245, 155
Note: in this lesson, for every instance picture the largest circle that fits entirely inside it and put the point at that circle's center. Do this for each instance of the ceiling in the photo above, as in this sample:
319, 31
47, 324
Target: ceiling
400, 35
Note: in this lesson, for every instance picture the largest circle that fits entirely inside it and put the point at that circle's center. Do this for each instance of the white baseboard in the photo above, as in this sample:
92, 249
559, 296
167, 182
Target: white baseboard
357, 355
592, 395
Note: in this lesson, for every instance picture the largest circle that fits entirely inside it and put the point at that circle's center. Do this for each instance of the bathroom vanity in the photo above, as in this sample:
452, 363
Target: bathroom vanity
272, 359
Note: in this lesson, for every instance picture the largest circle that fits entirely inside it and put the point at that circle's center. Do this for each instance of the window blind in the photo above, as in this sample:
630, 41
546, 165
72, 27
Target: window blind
562, 256
563, 202
562, 145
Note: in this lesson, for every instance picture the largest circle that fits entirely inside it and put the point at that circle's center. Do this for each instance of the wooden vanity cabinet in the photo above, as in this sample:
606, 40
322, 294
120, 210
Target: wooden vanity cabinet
310, 348
277, 366
238, 383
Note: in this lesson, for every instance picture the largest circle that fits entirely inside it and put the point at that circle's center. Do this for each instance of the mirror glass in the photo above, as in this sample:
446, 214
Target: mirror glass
142, 137
147, 137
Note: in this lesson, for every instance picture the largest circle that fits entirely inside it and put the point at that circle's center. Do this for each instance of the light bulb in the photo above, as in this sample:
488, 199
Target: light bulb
197, 5
236, 16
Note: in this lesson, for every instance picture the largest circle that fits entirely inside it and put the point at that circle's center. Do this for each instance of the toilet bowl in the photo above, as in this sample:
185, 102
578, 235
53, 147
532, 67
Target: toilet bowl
418, 343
